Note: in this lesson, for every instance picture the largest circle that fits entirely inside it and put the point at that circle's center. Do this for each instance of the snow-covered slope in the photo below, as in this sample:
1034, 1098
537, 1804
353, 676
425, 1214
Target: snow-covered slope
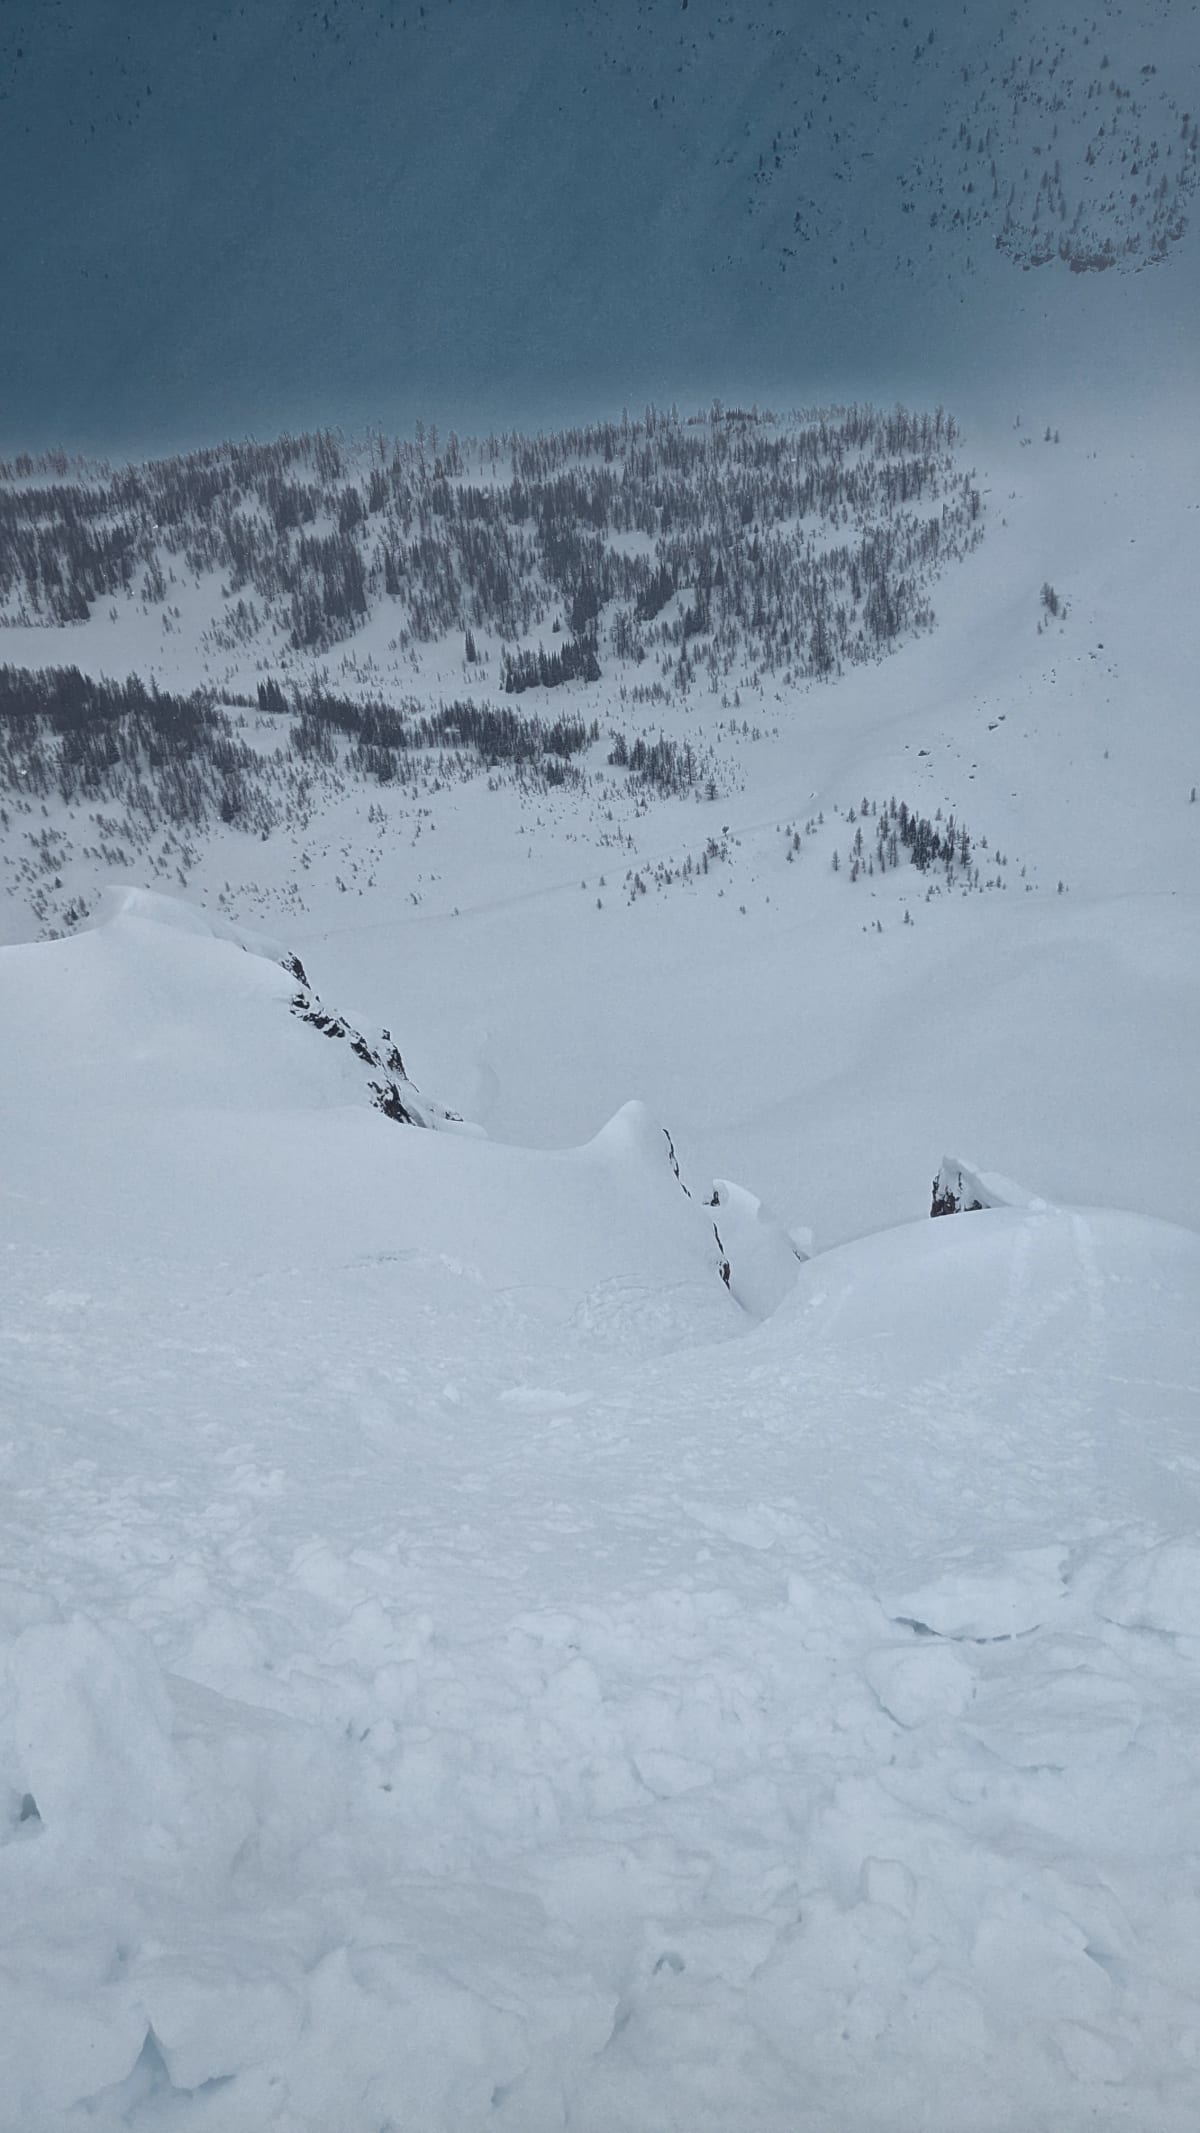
485, 214
181, 1093
540, 1624
563, 947
436, 1691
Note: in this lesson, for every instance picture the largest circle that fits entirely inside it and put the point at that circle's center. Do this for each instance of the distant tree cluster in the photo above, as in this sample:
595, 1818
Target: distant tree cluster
182, 761
145, 771
666, 766
574, 661
383, 734
146, 774
177, 758
891, 834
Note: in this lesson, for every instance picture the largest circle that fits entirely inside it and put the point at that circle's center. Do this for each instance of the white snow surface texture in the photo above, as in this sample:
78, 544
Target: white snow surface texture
457, 1671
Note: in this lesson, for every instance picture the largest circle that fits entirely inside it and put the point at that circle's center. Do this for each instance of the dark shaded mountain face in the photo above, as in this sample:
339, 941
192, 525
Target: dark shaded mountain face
248, 214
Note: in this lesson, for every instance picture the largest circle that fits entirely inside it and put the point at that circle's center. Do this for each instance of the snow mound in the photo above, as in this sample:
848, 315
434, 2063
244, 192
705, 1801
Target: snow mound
182, 1085
172, 1006
986, 1604
1157, 1591
127, 902
960, 1187
990, 1376
632, 1140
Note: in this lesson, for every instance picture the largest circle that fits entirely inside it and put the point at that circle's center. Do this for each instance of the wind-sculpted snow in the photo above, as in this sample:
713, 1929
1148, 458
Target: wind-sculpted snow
448, 1680
960, 1187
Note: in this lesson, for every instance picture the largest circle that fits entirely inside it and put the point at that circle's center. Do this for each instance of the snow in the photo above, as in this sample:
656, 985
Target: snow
459, 1669
1048, 1036
972, 1188
755, 1242
537, 214
463, 1663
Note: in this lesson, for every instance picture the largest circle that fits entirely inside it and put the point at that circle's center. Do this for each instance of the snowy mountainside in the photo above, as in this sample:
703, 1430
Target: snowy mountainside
455, 1667
496, 537
465, 213
506, 1626
470, 586
448, 1678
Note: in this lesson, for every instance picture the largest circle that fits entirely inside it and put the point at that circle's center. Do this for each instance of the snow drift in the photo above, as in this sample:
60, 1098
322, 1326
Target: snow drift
447, 1681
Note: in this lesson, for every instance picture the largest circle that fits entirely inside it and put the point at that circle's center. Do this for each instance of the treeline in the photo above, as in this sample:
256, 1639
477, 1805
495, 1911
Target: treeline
803, 543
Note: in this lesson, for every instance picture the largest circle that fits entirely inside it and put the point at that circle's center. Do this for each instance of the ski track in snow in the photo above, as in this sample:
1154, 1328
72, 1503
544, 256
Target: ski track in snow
506, 1733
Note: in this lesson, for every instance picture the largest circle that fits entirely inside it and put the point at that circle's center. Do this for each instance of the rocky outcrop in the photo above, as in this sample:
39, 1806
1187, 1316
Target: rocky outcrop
387, 1083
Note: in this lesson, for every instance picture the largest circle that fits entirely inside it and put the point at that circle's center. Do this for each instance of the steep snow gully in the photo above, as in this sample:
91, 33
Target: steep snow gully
457, 1671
